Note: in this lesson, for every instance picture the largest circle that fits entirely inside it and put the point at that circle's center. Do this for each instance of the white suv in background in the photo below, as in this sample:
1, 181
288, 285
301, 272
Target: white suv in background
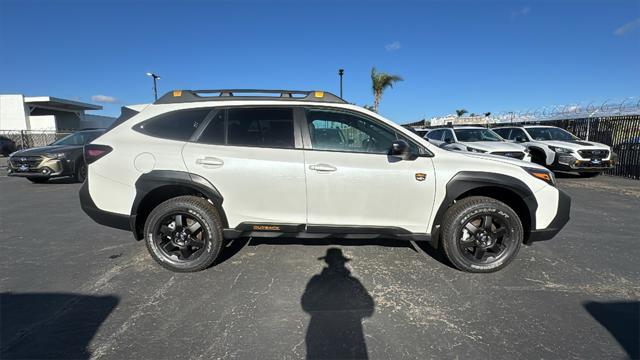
558, 149
198, 168
476, 139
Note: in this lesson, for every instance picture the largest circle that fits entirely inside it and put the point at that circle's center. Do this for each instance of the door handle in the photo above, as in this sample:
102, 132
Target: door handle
323, 167
209, 162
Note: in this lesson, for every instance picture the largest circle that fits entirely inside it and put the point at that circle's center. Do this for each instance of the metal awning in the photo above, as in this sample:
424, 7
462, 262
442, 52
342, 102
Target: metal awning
53, 103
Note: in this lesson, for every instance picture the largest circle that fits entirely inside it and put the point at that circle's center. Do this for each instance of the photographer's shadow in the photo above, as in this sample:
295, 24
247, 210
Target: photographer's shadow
337, 302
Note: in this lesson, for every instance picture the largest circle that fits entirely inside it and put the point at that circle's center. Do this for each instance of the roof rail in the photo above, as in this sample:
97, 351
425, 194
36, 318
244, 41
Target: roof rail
184, 96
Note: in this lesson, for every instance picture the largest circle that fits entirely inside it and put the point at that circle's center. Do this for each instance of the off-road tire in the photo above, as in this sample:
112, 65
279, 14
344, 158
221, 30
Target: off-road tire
206, 214
457, 217
37, 180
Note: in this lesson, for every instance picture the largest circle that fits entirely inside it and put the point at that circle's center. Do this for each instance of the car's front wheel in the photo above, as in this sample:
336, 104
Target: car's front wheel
184, 234
481, 234
81, 172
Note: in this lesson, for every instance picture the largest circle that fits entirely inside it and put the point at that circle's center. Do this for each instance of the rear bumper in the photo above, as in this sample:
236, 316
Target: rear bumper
106, 218
558, 222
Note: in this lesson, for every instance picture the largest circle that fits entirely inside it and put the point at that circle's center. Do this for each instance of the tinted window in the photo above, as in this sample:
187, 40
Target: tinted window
260, 127
550, 133
503, 132
471, 135
79, 138
175, 125
515, 133
338, 131
435, 135
448, 136
214, 132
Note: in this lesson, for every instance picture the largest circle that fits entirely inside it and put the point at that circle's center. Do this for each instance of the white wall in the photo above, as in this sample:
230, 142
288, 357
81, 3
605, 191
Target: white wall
42, 122
13, 115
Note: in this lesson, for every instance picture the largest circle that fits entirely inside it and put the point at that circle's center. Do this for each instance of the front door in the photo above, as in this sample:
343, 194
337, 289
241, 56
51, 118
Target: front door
352, 182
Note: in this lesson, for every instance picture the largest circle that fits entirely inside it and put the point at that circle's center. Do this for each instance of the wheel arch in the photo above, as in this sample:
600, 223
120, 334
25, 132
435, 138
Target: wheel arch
158, 186
510, 190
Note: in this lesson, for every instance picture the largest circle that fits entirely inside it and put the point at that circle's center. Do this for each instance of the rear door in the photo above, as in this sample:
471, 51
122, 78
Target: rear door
253, 156
352, 182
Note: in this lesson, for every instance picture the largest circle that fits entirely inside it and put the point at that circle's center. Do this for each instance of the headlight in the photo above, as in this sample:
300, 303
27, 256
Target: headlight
542, 174
55, 155
560, 150
469, 148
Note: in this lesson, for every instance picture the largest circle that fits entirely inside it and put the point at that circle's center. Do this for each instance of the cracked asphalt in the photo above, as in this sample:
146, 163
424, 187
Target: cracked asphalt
71, 288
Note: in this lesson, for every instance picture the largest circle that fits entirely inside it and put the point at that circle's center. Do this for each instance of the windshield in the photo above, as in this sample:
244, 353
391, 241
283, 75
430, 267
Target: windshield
79, 138
550, 133
471, 135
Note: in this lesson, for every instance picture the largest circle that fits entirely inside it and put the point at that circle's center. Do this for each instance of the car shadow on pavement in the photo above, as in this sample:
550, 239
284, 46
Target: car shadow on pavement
622, 320
50, 325
337, 302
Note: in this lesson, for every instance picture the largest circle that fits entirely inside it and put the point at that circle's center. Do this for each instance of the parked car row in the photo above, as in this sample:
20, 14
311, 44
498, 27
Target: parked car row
63, 157
549, 146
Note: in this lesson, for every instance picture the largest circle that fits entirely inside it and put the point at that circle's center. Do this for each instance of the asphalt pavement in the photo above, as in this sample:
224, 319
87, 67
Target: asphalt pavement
71, 288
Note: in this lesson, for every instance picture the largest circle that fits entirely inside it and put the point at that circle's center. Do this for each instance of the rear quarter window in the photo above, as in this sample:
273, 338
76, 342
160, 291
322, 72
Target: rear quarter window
176, 125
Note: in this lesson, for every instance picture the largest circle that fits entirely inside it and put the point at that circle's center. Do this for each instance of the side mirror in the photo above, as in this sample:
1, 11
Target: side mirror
400, 148
520, 139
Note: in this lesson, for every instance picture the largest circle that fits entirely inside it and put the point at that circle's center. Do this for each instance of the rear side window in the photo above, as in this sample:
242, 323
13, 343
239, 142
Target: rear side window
435, 135
214, 132
504, 133
263, 127
175, 125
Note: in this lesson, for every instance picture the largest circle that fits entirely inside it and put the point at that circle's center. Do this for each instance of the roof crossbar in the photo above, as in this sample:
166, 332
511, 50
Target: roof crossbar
184, 96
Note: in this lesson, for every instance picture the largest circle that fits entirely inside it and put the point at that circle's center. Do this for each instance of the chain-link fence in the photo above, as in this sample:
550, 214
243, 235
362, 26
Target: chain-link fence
33, 138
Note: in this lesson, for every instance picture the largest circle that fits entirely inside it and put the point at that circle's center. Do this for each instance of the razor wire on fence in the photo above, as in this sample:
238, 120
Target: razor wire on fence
25, 139
627, 106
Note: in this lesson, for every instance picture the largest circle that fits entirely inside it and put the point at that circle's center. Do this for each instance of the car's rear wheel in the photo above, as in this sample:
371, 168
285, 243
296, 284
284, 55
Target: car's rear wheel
184, 234
37, 180
481, 234
81, 172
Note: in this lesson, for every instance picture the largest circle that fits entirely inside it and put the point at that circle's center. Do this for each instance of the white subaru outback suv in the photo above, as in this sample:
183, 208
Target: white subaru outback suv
198, 168
558, 149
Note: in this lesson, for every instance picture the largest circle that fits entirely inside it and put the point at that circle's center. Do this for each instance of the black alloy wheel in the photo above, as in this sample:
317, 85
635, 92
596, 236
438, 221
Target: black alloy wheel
180, 237
481, 234
184, 234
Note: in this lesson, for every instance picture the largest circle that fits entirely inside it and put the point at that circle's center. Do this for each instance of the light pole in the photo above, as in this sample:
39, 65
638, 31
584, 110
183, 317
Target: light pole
340, 73
155, 85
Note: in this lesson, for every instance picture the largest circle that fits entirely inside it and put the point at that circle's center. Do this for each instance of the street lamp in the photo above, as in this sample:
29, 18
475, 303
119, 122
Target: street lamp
340, 73
155, 85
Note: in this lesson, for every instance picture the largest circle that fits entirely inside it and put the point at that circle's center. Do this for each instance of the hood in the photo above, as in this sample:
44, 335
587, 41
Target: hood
491, 146
502, 159
575, 144
37, 151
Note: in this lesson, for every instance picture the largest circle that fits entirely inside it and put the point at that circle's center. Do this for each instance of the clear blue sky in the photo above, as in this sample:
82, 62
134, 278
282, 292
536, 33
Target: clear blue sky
480, 55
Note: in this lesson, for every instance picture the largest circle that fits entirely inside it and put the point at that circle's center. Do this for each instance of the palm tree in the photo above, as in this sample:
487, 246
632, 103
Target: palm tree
461, 112
379, 83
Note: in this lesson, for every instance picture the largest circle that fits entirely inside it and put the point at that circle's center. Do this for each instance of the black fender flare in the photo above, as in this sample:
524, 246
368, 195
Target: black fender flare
155, 179
466, 181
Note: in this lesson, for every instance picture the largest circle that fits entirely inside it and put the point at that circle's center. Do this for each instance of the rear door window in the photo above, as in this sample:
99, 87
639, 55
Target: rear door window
263, 127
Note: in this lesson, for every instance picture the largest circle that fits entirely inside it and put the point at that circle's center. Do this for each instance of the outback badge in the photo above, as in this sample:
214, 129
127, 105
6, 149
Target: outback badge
421, 176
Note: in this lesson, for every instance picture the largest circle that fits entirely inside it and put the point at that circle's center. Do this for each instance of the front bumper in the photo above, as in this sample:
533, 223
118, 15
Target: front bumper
558, 222
569, 162
39, 166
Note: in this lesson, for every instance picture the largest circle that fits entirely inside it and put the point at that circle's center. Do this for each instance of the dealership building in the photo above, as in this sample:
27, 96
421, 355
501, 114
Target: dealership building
19, 112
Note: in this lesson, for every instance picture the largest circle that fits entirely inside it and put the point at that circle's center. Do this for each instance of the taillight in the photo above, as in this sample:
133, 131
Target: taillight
93, 152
